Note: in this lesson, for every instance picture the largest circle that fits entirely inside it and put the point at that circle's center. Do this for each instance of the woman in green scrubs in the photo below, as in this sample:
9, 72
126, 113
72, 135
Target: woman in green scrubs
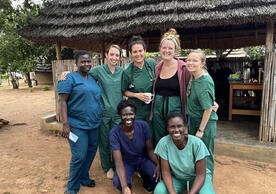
200, 99
138, 77
109, 78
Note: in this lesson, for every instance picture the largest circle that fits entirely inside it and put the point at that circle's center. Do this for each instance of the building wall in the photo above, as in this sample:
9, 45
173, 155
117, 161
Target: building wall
44, 78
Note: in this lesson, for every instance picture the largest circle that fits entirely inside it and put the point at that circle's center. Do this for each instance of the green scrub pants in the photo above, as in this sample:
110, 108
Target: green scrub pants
208, 139
181, 185
163, 105
105, 154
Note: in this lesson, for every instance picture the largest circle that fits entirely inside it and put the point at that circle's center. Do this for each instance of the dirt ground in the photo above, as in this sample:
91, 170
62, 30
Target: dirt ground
33, 161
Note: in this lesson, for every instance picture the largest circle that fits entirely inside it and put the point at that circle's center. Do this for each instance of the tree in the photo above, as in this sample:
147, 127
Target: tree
17, 53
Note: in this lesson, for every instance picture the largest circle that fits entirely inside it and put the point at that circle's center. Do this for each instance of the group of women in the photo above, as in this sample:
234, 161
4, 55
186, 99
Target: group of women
129, 132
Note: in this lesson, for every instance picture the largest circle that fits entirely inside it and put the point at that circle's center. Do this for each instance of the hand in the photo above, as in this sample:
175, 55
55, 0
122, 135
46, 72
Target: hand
126, 190
63, 75
215, 107
157, 173
199, 134
142, 97
65, 130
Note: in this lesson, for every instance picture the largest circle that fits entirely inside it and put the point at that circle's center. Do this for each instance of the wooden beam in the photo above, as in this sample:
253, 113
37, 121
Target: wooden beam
58, 50
269, 36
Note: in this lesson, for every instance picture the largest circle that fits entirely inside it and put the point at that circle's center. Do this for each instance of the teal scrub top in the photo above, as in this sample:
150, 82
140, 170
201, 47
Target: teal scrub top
110, 84
83, 105
202, 97
138, 80
182, 162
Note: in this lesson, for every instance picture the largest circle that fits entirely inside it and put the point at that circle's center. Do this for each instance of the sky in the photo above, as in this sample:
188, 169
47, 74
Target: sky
15, 3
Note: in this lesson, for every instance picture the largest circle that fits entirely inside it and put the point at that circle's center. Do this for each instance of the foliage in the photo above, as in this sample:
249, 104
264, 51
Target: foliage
255, 52
3, 76
16, 53
45, 88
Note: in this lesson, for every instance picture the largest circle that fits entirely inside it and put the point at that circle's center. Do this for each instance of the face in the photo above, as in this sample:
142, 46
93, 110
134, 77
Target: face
128, 116
138, 53
176, 129
113, 56
167, 50
194, 62
84, 63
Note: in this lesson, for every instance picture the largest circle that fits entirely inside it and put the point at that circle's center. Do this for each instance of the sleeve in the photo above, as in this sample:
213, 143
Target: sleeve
125, 81
94, 73
200, 150
206, 96
146, 131
162, 149
114, 141
65, 86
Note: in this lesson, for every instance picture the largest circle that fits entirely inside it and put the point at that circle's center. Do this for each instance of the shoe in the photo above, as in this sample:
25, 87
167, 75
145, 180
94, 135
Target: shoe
110, 173
67, 192
147, 190
91, 184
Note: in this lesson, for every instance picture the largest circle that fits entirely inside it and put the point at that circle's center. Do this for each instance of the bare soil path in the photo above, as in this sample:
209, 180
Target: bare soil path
32, 161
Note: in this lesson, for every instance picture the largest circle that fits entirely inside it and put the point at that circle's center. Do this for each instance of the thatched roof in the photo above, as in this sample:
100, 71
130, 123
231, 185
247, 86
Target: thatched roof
92, 24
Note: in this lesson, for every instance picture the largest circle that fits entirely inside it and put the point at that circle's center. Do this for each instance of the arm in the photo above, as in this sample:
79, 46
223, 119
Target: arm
64, 117
120, 169
200, 176
63, 75
153, 158
204, 121
140, 96
167, 177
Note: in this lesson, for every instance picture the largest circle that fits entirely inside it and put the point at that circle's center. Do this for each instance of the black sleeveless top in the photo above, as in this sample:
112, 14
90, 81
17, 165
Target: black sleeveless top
168, 87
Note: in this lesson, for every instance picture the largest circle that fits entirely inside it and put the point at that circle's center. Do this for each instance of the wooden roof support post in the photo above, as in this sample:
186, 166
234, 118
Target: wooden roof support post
267, 131
58, 50
269, 36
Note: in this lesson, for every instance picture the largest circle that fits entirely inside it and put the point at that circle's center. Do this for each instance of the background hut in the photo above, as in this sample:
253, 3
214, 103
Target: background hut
228, 24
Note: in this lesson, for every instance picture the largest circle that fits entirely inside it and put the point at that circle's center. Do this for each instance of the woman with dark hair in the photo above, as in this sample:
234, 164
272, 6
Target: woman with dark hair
81, 117
108, 76
138, 78
183, 161
132, 150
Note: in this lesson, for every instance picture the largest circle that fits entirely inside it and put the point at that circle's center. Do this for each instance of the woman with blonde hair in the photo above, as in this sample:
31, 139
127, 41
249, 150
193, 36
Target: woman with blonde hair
171, 80
200, 100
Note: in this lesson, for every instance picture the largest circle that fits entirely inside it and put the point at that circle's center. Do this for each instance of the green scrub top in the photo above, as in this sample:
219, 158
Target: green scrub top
202, 97
110, 85
182, 162
138, 80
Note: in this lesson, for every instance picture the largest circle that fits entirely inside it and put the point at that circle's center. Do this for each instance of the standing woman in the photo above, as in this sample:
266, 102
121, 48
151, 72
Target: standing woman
138, 78
171, 80
109, 78
200, 99
81, 115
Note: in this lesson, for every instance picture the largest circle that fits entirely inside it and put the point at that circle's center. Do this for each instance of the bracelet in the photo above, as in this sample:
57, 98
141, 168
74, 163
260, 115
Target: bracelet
202, 131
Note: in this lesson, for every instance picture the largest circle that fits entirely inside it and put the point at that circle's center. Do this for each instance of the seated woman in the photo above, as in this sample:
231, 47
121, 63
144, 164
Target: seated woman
183, 162
131, 146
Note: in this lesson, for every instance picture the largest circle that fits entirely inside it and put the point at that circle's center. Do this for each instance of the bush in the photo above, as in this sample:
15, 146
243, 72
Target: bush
45, 88
31, 89
4, 76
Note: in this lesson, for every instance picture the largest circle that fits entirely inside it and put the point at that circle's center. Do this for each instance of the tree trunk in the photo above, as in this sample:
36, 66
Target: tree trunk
29, 80
14, 81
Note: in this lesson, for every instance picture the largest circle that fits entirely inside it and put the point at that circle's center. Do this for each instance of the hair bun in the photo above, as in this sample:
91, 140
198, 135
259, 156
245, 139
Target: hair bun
136, 38
172, 31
